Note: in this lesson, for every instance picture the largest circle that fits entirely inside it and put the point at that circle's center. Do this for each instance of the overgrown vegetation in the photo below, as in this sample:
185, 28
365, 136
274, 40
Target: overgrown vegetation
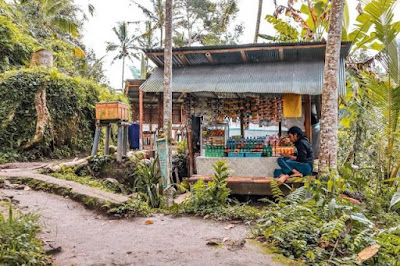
71, 105
315, 225
19, 244
212, 199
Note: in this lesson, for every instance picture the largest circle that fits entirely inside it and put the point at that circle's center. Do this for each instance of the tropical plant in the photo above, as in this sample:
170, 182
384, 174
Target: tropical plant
211, 197
124, 47
19, 244
147, 182
155, 17
51, 16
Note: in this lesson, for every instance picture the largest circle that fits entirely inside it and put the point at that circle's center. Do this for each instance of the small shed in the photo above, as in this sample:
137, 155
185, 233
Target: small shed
239, 72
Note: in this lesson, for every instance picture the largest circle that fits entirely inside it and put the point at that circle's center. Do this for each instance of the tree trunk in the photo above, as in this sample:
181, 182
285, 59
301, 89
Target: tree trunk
329, 116
167, 83
123, 70
41, 58
260, 3
43, 118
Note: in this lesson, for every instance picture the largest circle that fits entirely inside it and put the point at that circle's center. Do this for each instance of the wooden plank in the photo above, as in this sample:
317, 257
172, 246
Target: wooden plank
244, 56
210, 58
241, 49
183, 59
281, 54
307, 118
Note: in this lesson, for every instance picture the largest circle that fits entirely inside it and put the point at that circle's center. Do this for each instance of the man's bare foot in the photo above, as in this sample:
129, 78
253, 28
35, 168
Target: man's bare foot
282, 179
296, 173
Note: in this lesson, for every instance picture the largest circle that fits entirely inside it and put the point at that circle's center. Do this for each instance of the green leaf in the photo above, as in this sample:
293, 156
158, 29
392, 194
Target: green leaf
394, 201
360, 217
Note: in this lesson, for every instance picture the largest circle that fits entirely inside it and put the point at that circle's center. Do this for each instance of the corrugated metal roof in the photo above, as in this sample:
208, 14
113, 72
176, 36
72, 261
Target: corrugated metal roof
248, 53
278, 77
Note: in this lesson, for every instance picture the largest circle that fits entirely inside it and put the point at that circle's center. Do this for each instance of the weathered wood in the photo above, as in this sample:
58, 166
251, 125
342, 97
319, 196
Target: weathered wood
125, 141
112, 111
120, 143
183, 59
96, 140
107, 140
210, 58
281, 56
242, 49
244, 56
307, 117
73, 164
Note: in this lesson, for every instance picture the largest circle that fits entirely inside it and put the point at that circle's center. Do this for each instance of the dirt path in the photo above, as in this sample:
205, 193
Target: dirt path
90, 239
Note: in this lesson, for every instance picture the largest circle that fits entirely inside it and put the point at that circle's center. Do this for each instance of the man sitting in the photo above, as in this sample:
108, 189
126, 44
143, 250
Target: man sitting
298, 165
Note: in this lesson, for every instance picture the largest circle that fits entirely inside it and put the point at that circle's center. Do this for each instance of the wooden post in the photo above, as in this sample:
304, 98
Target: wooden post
140, 119
120, 143
190, 148
151, 118
280, 129
96, 139
107, 140
307, 118
241, 124
160, 111
125, 140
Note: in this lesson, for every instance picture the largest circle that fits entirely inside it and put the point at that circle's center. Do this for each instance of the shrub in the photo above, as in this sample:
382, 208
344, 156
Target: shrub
18, 242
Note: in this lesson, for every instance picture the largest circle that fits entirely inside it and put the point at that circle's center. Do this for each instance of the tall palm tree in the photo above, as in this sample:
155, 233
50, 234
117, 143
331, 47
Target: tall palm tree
329, 111
53, 15
125, 45
167, 82
156, 17
260, 3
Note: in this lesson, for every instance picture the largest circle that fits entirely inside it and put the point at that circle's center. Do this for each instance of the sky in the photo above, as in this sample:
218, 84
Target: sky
98, 29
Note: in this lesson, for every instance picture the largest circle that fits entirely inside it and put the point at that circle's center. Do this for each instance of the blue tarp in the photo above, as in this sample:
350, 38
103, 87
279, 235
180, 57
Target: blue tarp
134, 132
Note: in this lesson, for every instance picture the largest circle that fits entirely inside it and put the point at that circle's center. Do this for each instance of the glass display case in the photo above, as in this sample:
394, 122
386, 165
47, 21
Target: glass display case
213, 140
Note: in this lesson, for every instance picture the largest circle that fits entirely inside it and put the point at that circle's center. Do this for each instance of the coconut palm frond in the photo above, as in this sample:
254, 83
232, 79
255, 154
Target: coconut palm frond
66, 25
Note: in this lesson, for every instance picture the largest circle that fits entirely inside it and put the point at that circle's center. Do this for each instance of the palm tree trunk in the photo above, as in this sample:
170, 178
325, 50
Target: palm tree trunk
260, 3
123, 72
328, 137
167, 83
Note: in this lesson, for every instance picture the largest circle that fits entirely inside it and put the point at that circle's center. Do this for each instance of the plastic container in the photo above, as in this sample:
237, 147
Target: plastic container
253, 154
235, 154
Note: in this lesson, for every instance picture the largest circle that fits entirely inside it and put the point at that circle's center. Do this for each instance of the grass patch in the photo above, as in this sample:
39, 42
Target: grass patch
19, 244
105, 185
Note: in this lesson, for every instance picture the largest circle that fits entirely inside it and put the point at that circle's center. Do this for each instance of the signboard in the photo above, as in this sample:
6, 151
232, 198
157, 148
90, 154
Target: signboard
162, 153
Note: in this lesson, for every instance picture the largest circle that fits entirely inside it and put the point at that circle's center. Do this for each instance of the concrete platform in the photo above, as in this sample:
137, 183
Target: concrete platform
244, 167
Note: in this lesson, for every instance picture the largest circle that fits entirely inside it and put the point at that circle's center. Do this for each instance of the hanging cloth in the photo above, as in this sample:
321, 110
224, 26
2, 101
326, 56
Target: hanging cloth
292, 105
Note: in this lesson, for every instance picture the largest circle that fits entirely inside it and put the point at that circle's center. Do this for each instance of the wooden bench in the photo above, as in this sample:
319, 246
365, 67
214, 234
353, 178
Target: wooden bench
250, 185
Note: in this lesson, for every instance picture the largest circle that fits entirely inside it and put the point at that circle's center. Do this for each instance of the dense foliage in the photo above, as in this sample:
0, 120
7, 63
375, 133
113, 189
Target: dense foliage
19, 244
71, 105
317, 225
